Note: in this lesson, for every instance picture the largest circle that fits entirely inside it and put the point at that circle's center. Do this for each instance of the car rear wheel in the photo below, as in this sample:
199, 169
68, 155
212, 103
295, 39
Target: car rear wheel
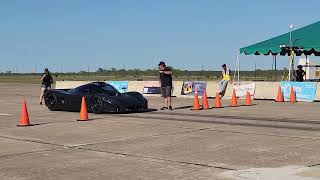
51, 101
96, 105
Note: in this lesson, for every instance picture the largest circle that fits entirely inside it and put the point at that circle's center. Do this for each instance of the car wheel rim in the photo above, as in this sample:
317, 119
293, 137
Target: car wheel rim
51, 100
96, 104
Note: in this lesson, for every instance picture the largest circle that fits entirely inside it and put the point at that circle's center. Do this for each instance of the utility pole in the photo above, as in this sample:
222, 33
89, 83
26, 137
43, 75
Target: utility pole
124, 68
88, 70
255, 70
35, 71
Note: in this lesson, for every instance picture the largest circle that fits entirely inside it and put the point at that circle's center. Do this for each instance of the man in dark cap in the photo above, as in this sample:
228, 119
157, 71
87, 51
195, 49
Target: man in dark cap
300, 73
47, 80
166, 84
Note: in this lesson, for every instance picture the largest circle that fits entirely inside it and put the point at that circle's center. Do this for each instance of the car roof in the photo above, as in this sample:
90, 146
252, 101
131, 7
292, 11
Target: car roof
98, 82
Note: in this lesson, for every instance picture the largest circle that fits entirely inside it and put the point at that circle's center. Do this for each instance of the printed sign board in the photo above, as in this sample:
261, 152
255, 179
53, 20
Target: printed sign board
242, 89
305, 91
189, 87
151, 87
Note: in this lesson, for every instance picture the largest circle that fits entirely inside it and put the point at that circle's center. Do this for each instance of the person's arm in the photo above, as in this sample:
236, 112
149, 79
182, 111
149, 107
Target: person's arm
43, 75
167, 71
160, 77
51, 79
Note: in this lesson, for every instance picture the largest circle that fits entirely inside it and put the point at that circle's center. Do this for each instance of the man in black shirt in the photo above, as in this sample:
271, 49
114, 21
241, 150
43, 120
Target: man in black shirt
47, 80
166, 85
300, 73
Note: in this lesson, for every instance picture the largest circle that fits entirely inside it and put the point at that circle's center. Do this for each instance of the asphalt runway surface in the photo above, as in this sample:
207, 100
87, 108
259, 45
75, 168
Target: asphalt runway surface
265, 141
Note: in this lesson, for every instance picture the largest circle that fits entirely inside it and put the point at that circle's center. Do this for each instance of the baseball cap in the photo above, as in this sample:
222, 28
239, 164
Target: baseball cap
46, 69
162, 63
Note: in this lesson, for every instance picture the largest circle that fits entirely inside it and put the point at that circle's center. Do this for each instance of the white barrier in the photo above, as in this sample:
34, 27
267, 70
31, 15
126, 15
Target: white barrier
264, 90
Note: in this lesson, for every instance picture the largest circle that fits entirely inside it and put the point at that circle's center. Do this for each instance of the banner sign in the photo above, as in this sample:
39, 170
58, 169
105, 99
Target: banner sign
189, 87
121, 86
151, 87
242, 89
305, 91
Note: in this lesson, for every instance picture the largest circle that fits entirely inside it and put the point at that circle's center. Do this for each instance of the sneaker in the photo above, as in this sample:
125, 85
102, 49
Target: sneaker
163, 108
40, 103
170, 107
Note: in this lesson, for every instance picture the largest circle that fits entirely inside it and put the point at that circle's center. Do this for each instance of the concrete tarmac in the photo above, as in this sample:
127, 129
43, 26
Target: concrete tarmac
265, 141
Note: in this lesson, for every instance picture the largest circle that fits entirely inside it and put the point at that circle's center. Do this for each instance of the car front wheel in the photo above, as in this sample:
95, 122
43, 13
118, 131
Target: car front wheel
96, 105
51, 101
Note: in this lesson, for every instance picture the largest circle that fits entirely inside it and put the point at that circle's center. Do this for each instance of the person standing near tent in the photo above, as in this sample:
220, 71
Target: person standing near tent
222, 84
166, 84
300, 73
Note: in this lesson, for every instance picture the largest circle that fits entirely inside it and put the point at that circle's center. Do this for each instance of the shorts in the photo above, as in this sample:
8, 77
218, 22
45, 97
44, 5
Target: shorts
45, 87
166, 91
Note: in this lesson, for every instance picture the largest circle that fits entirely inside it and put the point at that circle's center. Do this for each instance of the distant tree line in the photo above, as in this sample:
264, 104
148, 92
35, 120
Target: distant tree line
139, 74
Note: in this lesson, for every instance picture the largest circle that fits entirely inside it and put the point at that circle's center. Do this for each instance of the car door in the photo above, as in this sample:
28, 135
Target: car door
78, 93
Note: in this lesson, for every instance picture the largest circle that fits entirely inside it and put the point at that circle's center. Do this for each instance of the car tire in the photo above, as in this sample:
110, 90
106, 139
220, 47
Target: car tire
51, 101
96, 105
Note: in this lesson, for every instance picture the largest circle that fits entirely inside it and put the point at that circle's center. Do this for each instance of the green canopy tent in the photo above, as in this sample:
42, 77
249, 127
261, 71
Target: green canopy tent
305, 40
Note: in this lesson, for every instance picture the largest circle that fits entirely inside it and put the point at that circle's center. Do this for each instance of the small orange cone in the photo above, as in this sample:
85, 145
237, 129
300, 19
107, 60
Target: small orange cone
248, 99
205, 103
292, 95
217, 103
280, 95
234, 101
83, 111
196, 105
24, 116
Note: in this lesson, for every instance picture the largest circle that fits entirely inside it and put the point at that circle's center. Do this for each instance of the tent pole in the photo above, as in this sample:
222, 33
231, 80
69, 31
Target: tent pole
308, 63
272, 66
275, 67
238, 68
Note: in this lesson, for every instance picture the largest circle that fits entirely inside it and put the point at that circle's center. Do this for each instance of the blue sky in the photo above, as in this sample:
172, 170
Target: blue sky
137, 33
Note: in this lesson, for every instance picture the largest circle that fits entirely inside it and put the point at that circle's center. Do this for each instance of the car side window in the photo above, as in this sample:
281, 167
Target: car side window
108, 89
86, 89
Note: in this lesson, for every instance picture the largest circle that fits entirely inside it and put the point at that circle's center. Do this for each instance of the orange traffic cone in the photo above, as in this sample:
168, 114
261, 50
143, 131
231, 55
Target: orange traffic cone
280, 95
205, 103
196, 105
292, 95
24, 116
217, 103
83, 111
234, 101
248, 99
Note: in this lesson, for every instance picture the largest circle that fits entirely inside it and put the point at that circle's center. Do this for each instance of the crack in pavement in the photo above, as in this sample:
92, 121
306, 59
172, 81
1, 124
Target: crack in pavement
265, 134
26, 153
79, 145
291, 120
33, 141
139, 138
160, 159
210, 121
82, 147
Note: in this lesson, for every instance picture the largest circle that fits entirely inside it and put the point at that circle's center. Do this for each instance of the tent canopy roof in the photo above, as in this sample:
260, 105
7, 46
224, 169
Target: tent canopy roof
305, 40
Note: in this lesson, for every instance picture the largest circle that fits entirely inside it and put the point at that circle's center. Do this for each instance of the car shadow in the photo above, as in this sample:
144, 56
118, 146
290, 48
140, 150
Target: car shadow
134, 112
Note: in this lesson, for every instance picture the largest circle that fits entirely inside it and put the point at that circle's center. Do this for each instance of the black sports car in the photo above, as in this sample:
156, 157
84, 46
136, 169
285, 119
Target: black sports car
100, 98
